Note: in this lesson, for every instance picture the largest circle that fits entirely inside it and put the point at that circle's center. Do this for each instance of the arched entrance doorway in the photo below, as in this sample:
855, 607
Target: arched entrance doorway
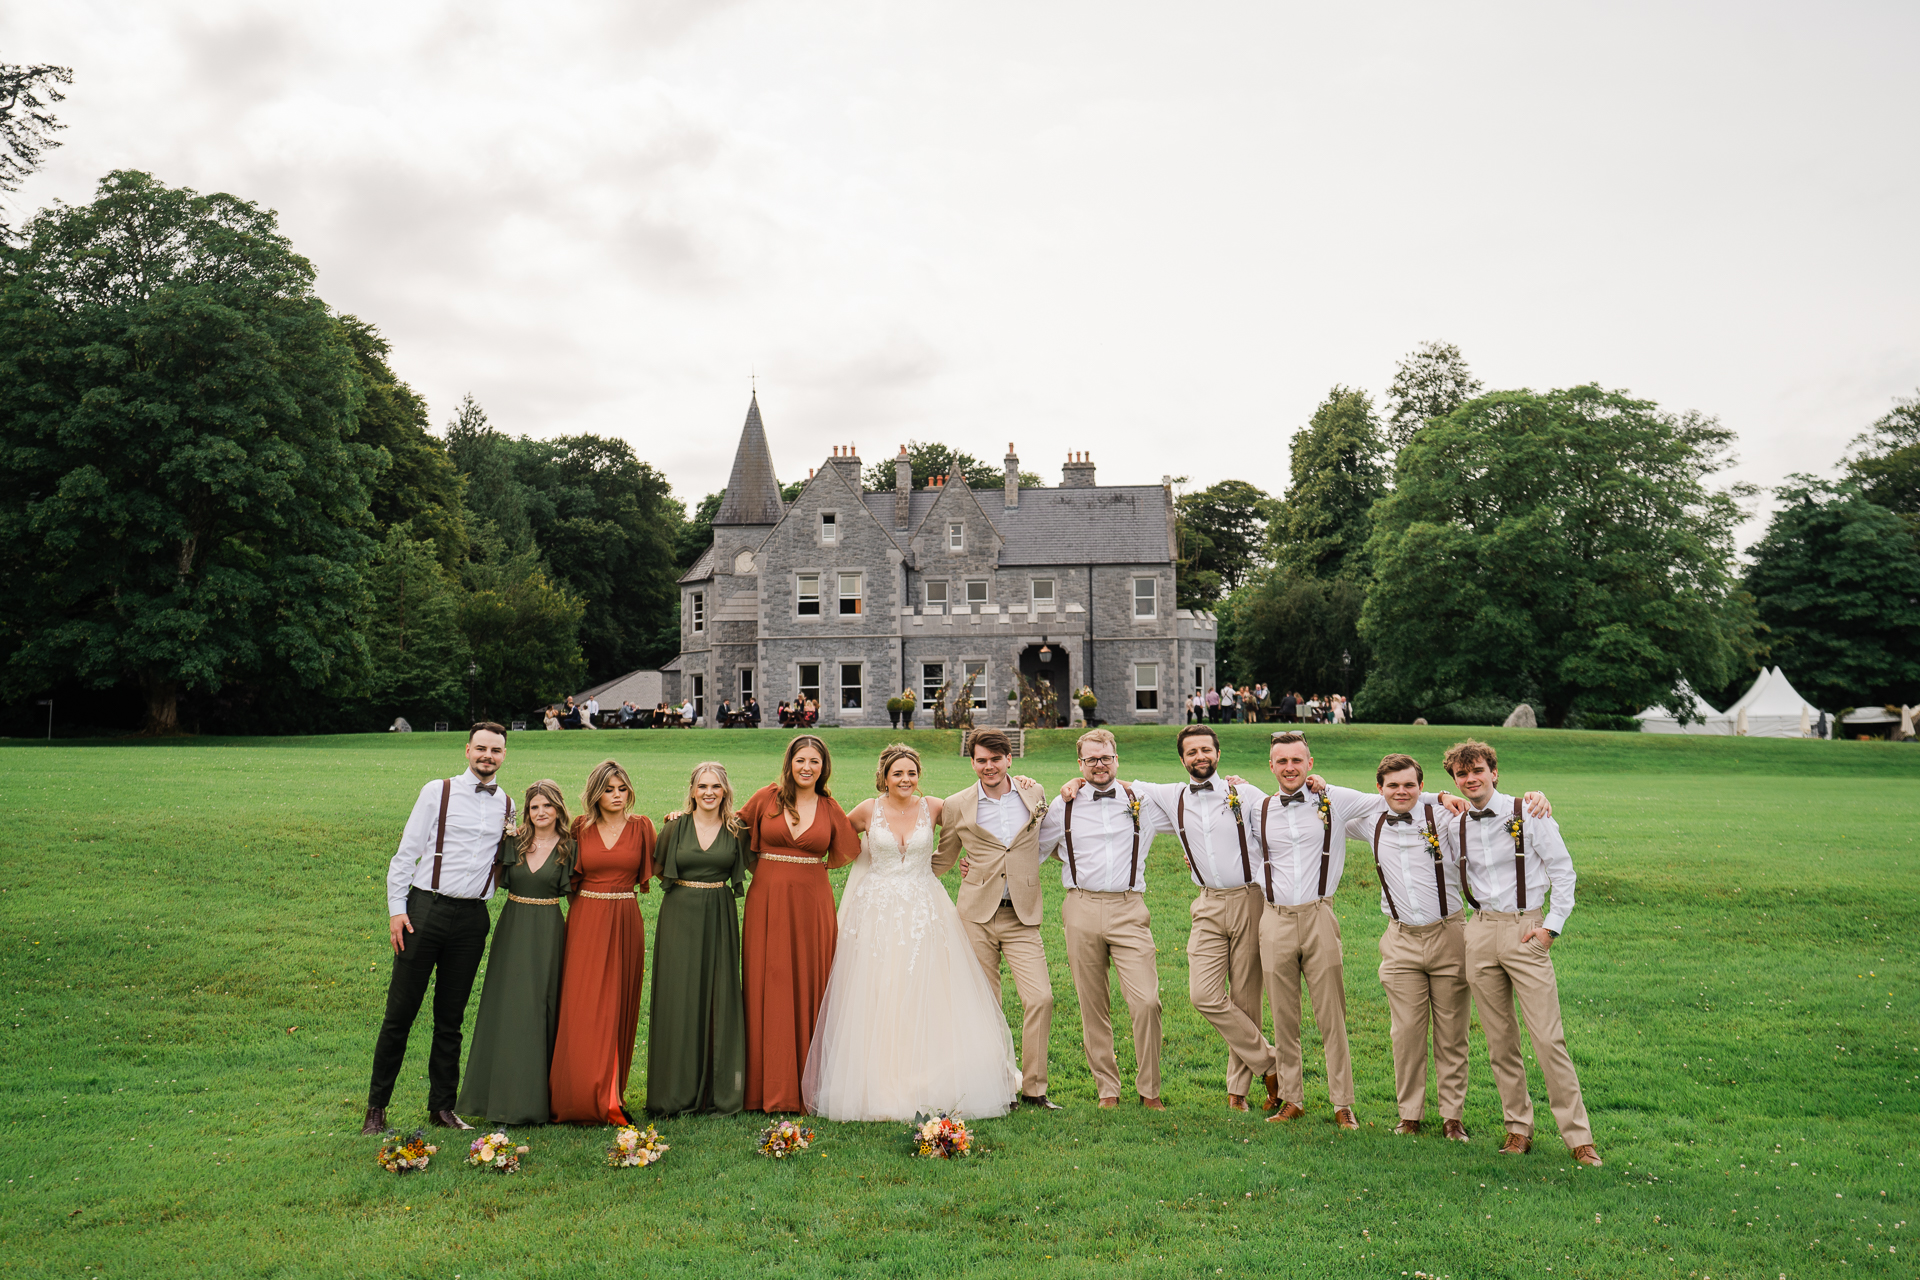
1048, 664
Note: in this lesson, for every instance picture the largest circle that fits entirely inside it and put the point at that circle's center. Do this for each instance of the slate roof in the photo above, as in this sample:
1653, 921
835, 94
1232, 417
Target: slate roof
1100, 524
753, 494
702, 568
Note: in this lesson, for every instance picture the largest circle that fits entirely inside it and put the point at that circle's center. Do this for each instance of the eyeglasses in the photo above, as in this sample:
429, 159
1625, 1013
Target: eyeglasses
1099, 759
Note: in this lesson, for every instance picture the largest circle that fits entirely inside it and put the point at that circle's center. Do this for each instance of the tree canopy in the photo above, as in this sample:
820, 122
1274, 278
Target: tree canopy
1223, 535
1338, 462
1886, 462
930, 460
1430, 382
27, 122
1565, 546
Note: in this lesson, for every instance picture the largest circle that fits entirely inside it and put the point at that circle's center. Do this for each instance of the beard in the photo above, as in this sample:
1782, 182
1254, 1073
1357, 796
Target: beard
1201, 770
484, 768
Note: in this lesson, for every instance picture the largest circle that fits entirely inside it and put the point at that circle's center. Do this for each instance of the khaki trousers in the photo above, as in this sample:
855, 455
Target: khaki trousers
1424, 970
1304, 943
1223, 978
1500, 969
1026, 955
1114, 927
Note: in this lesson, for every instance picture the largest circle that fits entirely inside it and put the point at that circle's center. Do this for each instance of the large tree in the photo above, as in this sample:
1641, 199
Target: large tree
1431, 382
1837, 583
1223, 535
419, 655
1293, 632
27, 122
1886, 461
522, 628
418, 490
1338, 462
181, 502
1567, 543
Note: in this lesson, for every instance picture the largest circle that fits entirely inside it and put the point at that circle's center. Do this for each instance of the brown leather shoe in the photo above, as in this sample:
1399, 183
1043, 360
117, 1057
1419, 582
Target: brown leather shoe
1272, 1081
1291, 1111
1041, 1101
1343, 1116
447, 1120
1237, 1101
376, 1122
1154, 1104
1410, 1128
1108, 1104
1454, 1131
1517, 1144
1585, 1154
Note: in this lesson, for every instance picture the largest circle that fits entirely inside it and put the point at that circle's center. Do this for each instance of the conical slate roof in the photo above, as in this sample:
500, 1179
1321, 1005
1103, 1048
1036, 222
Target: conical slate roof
753, 494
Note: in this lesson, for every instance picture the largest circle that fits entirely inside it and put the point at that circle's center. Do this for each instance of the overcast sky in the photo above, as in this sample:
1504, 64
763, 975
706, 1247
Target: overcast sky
1158, 233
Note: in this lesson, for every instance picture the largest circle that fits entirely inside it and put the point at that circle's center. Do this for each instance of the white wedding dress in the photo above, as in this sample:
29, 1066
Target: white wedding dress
909, 1022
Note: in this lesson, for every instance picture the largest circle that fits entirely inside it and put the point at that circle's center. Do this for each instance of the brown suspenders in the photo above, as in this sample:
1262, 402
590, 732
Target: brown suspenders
1133, 871
1439, 864
440, 838
1381, 872
1465, 892
1519, 858
1180, 814
1073, 870
1326, 846
1266, 850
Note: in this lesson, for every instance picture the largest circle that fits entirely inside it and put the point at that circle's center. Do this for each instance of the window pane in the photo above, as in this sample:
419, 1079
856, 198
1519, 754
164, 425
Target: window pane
808, 595
850, 686
1146, 687
810, 680
829, 527
936, 597
976, 597
849, 593
746, 682
699, 611
957, 537
1143, 597
932, 676
1043, 592
699, 697
977, 672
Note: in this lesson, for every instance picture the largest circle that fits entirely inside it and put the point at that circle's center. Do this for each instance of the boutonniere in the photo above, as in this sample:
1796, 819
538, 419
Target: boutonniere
1432, 838
1233, 802
1326, 808
1133, 811
1514, 829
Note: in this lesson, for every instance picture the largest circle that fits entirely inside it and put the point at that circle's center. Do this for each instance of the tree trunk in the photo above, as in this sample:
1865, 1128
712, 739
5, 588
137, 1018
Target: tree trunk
163, 706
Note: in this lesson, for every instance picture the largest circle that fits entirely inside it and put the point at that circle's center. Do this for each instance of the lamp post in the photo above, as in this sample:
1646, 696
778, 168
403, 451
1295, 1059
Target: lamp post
473, 671
1346, 676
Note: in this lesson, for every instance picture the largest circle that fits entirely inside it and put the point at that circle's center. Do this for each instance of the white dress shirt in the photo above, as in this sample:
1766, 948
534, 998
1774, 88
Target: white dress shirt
1291, 840
1406, 861
1490, 870
474, 823
1211, 840
1003, 816
1103, 839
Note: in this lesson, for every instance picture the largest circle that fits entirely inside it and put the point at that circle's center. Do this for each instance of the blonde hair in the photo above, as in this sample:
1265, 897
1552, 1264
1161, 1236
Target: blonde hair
894, 752
1099, 736
603, 773
728, 818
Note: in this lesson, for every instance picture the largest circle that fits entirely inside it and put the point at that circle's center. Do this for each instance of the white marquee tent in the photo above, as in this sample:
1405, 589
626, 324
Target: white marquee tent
1771, 708
1704, 719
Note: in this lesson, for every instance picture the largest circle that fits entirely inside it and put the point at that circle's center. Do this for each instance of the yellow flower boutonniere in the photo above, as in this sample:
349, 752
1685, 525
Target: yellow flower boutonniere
1514, 829
1326, 809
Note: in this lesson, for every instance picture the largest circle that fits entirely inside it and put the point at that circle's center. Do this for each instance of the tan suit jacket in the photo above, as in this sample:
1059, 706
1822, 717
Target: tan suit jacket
988, 860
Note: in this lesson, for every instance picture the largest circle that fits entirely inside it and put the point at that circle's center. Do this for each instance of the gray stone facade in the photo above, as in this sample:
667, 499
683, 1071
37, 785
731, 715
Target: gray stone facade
849, 597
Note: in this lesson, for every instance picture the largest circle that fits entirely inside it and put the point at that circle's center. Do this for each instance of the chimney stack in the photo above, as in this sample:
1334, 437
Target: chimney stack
846, 460
1078, 473
1013, 477
902, 488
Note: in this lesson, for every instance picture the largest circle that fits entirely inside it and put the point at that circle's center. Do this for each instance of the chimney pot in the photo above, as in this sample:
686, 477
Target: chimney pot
1012, 478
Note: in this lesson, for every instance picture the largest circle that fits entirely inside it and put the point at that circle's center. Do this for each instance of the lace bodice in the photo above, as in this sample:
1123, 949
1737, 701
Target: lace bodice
885, 854
896, 891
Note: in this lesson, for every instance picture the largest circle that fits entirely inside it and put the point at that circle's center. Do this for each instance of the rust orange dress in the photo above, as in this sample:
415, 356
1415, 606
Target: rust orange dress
787, 941
601, 974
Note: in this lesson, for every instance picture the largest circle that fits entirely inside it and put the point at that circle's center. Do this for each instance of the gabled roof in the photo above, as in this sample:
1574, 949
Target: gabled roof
1099, 524
702, 568
753, 494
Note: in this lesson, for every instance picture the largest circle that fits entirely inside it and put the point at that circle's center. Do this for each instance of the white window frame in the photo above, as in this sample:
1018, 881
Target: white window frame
932, 606
1048, 603
1147, 685
930, 684
967, 667
956, 535
986, 594
800, 597
858, 687
1153, 599
840, 596
743, 681
800, 685
829, 527
699, 696
698, 599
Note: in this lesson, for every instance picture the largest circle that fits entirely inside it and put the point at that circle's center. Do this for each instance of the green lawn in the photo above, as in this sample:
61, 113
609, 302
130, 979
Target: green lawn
193, 944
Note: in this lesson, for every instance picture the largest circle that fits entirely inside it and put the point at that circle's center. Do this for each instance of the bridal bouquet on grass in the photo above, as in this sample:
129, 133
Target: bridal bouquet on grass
782, 1138
635, 1148
940, 1137
497, 1152
397, 1156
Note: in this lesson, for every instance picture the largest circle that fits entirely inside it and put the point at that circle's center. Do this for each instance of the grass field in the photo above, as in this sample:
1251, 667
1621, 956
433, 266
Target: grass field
193, 945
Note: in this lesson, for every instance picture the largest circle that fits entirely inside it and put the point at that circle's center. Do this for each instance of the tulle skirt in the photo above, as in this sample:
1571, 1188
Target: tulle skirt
910, 1023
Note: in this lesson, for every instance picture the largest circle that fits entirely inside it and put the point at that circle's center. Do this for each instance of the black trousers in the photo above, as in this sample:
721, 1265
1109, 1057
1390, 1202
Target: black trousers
449, 936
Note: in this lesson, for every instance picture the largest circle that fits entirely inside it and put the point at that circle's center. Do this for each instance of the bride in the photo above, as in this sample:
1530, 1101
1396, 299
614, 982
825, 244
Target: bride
909, 1023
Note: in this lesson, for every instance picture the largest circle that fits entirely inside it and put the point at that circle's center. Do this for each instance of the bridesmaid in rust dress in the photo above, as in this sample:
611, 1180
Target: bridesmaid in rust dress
796, 831
606, 953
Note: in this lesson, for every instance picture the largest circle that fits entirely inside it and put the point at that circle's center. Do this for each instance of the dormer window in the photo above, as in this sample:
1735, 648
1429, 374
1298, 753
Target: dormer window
956, 536
829, 528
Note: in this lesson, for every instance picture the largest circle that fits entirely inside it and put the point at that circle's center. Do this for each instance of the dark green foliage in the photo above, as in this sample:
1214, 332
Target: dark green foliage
1430, 383
419, 653
930, 460
418, 491
1339, 472
696, 535
182, 504
523, 630
1222, 540
1291, 632
1837, 581
27, 122
1888, 462
1561, 546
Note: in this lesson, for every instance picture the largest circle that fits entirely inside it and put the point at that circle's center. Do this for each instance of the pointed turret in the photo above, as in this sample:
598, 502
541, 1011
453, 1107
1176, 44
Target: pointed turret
753, 494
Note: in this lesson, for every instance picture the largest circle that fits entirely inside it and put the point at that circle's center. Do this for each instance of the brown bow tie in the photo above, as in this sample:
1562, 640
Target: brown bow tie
1200, 786
1298, 797
490, 788
1103, 795
1399, 817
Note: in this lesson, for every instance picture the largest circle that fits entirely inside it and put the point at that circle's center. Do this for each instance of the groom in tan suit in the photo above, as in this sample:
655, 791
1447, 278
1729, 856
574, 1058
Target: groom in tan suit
996, 824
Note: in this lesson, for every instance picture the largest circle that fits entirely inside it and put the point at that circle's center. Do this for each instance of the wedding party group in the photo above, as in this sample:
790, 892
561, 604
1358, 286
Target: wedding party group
889, 1005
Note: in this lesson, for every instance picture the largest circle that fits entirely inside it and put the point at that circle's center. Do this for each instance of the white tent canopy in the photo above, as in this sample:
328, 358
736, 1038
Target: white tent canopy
1703, 718
1772, 708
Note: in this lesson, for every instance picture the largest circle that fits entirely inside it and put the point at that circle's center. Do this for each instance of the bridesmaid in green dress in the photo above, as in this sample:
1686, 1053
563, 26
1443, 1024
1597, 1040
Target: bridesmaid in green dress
697, 1040
512, 1050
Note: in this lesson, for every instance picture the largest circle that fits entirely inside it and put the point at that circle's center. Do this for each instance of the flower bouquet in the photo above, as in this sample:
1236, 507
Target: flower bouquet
497, 1152
634, 1148
782, 1138
409, 1156
940, 1137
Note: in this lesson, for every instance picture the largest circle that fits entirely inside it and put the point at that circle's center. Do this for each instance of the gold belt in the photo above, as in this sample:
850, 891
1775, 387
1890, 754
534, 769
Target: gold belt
782, 857
606, 897
701, 884
534, 902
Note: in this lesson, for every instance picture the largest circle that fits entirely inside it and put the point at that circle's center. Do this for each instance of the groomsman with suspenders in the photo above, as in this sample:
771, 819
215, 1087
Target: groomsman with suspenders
1101, 838
437, 889
1209, 816
1519, 882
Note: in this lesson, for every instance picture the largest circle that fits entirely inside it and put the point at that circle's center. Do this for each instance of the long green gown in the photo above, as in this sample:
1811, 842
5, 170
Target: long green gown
697, 1037
507, 1067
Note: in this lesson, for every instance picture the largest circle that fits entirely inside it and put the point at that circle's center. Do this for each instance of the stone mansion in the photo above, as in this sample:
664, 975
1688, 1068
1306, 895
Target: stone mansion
848, 597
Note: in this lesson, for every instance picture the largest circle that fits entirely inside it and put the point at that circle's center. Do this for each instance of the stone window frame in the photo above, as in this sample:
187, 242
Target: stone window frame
956, 527
799, 689
927, 605
1138, 666
818, 600
985, 601
745, 683
841, 686
930, 688
828, 518
697, 611
981, 701
1134, 582
1052, 604
859, 597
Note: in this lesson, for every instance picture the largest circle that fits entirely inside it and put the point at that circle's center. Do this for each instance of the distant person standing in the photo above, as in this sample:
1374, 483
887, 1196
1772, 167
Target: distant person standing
1213, 706
437, 889
1227, 703
589, 712
1288, 706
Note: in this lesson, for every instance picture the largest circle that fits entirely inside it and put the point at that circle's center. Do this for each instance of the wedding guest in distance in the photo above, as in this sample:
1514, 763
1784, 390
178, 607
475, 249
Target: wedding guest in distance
437, 889
796, 830
606, 953
697, 1033
512, 1051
